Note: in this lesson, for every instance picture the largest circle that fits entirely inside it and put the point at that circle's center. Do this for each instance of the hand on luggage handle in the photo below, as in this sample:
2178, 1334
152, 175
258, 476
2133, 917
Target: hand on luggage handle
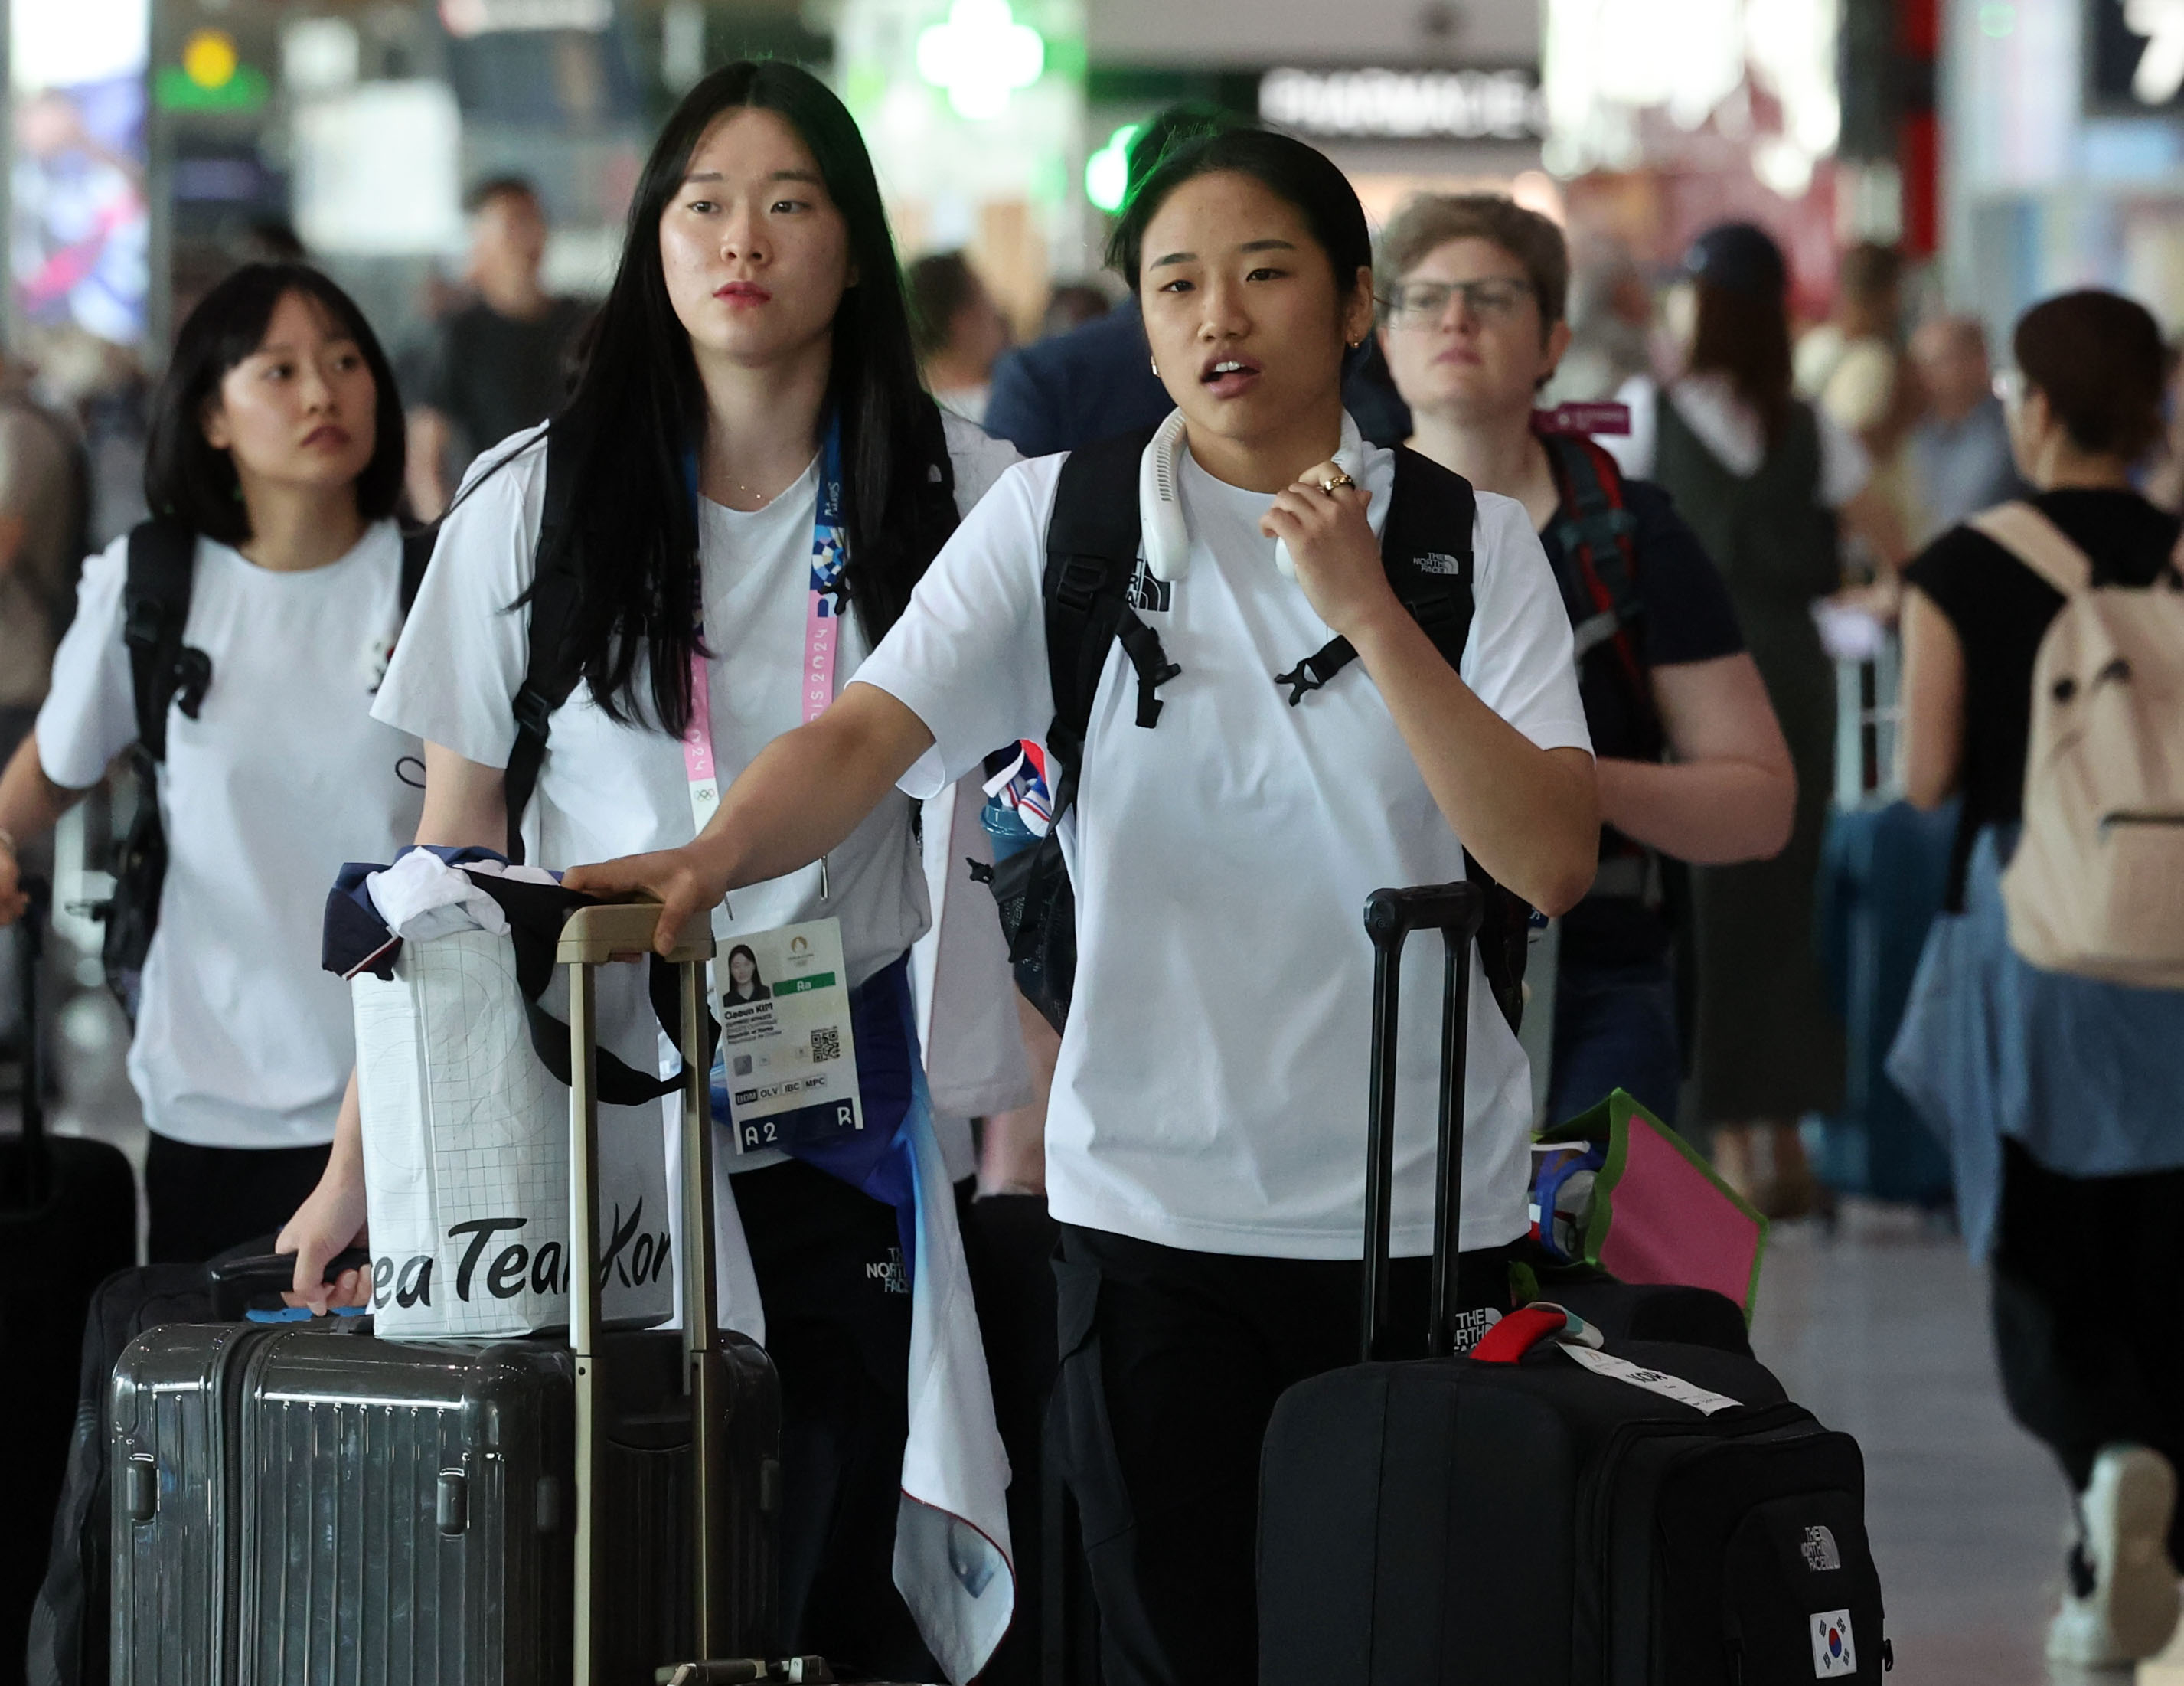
1456, 911
235, 1281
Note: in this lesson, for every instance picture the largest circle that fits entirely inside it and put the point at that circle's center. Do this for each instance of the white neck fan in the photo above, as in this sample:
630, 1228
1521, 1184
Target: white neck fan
1160, 502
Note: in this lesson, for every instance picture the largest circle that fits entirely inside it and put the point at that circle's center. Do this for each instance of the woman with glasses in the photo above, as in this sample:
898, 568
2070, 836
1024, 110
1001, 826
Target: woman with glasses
1692, 767
2057, 1093
1205, 1140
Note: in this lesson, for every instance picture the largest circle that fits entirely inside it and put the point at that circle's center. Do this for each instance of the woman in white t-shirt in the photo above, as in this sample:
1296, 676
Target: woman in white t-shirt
749, 421
276, 440
1205, 1135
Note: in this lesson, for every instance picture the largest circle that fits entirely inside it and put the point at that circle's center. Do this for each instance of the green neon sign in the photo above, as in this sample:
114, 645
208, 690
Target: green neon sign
1107, 171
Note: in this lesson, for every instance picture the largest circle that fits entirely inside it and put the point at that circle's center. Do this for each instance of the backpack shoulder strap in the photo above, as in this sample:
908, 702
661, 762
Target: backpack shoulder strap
1091, 569
1425, 546
417, 542
1426, 549
155, 597
548, 676
1598, 536
2028, 535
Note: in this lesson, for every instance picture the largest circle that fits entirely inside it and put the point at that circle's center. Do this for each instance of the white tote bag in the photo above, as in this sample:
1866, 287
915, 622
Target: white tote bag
466, 1149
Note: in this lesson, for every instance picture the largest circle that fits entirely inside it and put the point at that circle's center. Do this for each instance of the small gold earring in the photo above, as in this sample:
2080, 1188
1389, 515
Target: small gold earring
1154, 361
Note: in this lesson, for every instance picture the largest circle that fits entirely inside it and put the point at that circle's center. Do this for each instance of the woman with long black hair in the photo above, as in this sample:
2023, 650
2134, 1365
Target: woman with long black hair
1767, 482
734, 507
273, 469
1205, 1140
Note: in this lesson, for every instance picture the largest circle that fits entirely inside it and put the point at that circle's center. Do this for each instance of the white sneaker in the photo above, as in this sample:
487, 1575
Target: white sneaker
2132, 1610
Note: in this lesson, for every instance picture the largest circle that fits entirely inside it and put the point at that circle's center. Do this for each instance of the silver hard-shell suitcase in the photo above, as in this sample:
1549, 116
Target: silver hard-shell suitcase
295, 1505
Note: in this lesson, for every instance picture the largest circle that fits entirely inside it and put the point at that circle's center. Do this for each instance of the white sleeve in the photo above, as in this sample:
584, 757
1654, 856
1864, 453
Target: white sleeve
1846, 465
463, 649
89, 715
1519, 661
968, 657
977, 458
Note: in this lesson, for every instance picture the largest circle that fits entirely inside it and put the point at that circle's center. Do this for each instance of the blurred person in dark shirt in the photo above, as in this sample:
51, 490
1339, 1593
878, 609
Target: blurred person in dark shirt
1071, 305
499, 364
1960, 448
1097, 381
2056, 1092
957, 329
1691, 763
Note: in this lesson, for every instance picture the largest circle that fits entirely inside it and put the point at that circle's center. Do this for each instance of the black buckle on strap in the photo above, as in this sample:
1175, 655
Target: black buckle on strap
147, 619
1142, 644
1317, 669
193, 675
1433, 609
1079, 581
532, 710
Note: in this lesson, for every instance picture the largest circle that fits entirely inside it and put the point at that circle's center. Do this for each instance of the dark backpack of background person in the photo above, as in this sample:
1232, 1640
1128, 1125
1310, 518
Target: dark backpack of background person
165, 673
68, 1220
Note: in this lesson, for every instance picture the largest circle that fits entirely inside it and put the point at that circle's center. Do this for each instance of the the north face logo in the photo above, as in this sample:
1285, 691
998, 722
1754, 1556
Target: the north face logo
1819, 1549
1148, 594
1439, 562
1471, 1326
889, 1273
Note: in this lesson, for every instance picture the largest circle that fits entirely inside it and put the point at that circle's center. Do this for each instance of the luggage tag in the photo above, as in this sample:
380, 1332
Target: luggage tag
1699, 1399
788, 1060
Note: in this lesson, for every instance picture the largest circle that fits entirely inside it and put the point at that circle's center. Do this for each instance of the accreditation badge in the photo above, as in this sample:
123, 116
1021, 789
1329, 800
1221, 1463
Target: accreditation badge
787, 1052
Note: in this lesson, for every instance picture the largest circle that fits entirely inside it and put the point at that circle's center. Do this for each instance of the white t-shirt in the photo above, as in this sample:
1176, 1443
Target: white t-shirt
242, 1040
607, 789
1210, 1093
1730, 428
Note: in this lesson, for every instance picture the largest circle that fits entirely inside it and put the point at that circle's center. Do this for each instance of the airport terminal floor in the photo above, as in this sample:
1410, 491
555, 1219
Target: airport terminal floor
1878, 1323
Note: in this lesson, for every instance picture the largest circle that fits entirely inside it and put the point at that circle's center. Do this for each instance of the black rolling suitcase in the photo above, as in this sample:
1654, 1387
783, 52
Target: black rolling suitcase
1553, 1520
68, 1220
295, 1504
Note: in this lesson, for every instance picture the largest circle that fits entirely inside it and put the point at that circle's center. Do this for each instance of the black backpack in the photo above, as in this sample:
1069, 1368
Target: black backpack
551, 671
163, 671
1093, 590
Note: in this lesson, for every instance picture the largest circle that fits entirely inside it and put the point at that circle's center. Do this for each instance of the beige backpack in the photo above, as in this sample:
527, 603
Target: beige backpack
2096, 885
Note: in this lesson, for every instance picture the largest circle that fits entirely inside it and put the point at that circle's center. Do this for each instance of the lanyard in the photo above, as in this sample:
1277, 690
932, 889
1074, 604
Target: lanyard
823, 618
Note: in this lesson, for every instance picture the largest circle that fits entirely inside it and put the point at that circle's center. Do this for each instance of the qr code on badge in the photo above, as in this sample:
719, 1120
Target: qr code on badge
826, 1043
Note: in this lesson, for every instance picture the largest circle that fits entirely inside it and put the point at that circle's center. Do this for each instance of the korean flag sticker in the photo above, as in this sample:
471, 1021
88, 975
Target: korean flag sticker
1834, 1656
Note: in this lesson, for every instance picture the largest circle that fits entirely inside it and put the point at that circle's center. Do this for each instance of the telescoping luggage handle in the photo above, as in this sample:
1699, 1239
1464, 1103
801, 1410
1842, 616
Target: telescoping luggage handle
1455, 911
594, 936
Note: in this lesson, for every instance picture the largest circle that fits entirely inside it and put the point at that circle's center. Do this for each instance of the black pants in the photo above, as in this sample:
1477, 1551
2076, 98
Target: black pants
205, 1200
829, 1268
1008, 1248
1171, 1362
2088, 1324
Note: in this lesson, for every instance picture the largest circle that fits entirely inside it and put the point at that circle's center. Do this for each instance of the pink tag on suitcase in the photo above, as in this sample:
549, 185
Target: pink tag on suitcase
1659, 1214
